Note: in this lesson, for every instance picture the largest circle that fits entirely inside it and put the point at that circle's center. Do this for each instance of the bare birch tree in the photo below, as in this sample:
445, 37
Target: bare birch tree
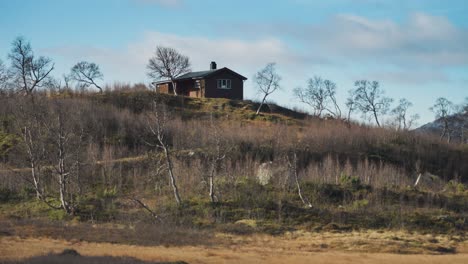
86, 74
267, 81
52, 144
351, 106
292, 161
320, 95
168, 63
66, 138
369, 98
28, 71
334, 109
157, 125
29, 116
443, 109
4, 76
220, 150
403, 120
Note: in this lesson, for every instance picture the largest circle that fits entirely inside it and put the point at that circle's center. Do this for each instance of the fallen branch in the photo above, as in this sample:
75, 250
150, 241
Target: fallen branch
144, 206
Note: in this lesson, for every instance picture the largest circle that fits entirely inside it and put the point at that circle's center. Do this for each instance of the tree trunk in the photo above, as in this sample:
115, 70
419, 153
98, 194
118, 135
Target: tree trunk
99, 87
444, 132
35, 181
35, 169
376, 119
293, 167
171, 174
62, 177
27, 137
261, 104
212, 187
62, 170
349, 117
174, 87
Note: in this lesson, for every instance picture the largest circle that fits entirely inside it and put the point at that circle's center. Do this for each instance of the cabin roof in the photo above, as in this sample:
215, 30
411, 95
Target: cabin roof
201, 75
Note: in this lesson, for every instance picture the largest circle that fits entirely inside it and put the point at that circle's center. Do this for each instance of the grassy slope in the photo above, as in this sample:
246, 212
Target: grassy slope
188, 107
399, 149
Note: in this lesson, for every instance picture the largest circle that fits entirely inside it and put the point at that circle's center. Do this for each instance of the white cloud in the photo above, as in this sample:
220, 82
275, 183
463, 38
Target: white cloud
405, 77
129, 64
421, 40
344, 43
235, 53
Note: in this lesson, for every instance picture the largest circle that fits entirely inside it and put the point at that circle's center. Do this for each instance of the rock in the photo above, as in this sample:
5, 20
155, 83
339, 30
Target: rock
265, 173
428, 181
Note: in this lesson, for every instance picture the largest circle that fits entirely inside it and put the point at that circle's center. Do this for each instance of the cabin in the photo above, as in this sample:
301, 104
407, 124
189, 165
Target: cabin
214, 83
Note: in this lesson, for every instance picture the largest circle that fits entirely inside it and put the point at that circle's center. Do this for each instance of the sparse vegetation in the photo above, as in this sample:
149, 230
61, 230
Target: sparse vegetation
348, 176
128, 165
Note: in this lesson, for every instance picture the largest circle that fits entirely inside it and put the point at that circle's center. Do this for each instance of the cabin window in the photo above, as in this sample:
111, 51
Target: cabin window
224, 84
197, 84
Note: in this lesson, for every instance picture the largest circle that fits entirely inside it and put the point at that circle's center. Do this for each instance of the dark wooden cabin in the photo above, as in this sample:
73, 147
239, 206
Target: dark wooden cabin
214, 83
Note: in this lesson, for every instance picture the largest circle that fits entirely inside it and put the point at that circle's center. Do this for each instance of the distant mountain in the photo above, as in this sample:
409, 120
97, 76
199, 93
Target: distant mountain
458, 127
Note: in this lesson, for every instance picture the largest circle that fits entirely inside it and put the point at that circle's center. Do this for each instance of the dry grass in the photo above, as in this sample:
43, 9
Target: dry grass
78, 259
356, 247
132, 234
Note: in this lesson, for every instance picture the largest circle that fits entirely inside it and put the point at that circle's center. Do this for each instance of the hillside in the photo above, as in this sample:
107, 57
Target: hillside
400, 149
194, 168
458, 127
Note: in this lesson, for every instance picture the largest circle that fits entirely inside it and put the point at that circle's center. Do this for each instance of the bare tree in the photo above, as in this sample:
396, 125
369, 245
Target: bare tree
334, 109
369, 98
465, 106
351, 106
86, 74
168, 63
29, 116
320, 95
221, 148
52, 144
157, 125
292, 161
66, 140
412, 121
443, 109
267, 81
4, 76
464, 125
401, 114
29, 72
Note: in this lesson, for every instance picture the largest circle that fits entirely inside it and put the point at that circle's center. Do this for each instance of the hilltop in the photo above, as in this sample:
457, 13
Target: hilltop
189, 107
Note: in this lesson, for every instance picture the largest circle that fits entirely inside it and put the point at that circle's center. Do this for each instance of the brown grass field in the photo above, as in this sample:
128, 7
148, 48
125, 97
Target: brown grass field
297, 247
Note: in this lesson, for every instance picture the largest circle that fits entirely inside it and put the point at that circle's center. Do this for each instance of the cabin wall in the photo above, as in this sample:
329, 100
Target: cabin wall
164, 88
237, 87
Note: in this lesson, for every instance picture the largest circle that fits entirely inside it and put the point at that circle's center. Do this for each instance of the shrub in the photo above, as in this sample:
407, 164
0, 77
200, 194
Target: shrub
359, 204
350, 181
58, 215
7, 195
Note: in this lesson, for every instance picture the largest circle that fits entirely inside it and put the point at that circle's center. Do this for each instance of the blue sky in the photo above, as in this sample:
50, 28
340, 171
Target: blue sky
417, 49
